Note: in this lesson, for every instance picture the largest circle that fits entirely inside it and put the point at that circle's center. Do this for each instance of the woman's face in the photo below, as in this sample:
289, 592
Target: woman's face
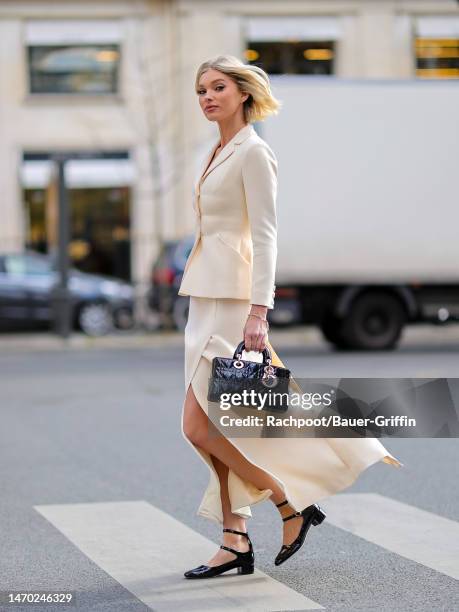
219, 96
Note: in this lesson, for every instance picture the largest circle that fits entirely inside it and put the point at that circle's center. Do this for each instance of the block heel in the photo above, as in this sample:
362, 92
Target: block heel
319, 517
245, 569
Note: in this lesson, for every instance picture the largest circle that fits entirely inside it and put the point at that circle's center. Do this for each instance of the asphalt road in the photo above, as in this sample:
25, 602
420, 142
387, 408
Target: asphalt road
84, 428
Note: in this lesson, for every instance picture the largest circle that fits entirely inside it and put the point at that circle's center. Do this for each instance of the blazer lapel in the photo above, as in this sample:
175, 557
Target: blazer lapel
227, 150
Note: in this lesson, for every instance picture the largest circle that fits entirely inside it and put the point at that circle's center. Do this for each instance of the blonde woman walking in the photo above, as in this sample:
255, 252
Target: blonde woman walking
229, 276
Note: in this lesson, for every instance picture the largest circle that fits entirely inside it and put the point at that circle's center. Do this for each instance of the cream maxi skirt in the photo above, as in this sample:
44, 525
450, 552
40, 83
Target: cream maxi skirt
307, 469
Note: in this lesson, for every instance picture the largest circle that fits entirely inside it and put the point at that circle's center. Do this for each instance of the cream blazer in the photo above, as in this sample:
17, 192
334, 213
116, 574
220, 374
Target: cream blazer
235, 249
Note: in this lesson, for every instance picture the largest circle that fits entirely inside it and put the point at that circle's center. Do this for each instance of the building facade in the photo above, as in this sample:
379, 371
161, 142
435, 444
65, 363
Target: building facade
111, 84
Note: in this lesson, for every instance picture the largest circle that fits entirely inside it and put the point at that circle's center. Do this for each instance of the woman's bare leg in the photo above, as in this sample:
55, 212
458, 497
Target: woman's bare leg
196, 426
231, 520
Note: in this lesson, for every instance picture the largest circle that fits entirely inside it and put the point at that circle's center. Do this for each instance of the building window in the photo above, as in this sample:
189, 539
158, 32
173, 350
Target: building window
99, 228
305, 57
437, 58
436, 46
73, 56
73, 69
293, 44
99, 192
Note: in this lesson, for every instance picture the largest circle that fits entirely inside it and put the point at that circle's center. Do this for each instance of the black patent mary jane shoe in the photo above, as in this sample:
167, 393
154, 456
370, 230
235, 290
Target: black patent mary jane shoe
312, 515
244, 562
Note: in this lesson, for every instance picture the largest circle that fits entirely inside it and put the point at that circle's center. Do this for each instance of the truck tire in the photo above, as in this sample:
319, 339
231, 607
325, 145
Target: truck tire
374, 322
331, 328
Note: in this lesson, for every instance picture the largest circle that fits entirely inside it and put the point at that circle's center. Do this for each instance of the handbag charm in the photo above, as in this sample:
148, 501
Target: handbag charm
268, 385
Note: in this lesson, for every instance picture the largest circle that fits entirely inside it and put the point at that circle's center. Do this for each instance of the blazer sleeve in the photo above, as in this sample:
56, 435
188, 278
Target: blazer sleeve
259, 175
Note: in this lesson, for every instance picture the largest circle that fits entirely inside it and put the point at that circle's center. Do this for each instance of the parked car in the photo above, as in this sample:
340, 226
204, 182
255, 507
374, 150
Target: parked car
27, 280
167, 275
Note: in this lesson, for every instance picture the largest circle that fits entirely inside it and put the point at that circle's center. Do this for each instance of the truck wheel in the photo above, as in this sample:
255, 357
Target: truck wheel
375, 322
331, 328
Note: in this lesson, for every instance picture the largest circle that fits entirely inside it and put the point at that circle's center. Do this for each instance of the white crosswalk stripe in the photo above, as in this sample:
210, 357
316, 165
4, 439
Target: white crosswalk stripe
146, 551
413, 533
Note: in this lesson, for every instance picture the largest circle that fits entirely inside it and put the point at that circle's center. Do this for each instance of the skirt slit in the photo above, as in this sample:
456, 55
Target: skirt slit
307, 469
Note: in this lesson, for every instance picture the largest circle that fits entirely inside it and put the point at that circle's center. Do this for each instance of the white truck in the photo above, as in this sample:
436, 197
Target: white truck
368, 206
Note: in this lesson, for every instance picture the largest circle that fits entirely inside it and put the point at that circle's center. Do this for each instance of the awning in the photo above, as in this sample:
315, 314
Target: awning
73, 31
80, 173
280, 28
437, 26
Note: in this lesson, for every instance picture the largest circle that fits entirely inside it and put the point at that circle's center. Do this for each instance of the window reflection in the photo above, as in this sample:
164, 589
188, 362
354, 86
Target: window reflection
437, 58
74, 69
292, 57
99, 228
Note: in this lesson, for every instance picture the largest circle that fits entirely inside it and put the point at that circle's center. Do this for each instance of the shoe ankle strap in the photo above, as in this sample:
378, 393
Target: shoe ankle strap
287, 518
238, 532
282, 503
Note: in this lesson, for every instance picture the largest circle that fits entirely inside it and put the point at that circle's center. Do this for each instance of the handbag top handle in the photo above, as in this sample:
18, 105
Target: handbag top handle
241, 347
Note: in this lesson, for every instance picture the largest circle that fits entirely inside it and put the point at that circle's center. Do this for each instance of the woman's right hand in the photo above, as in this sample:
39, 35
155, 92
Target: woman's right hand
255, 334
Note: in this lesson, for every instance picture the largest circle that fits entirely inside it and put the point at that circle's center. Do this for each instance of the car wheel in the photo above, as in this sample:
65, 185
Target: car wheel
95, 319
124, 319
180, 312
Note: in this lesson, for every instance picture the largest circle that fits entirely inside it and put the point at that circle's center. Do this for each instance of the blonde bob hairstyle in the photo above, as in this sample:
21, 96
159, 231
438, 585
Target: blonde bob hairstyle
250, 79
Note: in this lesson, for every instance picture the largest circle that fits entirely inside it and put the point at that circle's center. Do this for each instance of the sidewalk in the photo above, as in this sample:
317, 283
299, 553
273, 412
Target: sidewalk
45, 341
423, 336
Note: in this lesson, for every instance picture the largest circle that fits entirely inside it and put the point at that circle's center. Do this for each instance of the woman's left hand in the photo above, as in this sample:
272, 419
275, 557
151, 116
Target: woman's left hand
255, 334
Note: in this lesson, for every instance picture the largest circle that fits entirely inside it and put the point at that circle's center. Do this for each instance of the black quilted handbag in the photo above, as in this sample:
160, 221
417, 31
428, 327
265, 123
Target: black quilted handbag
236, 375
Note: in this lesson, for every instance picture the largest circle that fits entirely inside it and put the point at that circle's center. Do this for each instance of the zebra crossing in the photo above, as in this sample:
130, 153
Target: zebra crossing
415, 534
145, 550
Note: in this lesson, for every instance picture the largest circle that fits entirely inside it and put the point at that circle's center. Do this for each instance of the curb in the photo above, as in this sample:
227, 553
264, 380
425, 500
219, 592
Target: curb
299, 336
